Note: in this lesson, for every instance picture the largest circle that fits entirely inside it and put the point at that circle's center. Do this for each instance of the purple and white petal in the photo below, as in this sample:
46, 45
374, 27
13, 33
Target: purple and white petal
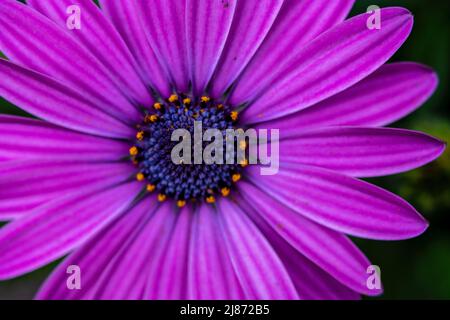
210, 273
53, 230
29, 139
256, 18
260, 271
56, 103
387, 95
361, 152
30, 39
342, 203
94, 257
25, 185
297, 24
99, 36
126, 17
207, 26
331, 63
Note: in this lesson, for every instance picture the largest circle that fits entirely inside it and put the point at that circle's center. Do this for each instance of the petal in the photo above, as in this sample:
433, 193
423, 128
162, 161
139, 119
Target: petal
342, 203
166, 28
27, 184
259, 269
208, 24
387, 95
361, 152
331, 63
171, 281
330, 250
256, 18
33, 41
311, 282
52, 101
59, 226
126, 275
126, 17
95, 256
29, 139
297, 24
211, 275
100, 37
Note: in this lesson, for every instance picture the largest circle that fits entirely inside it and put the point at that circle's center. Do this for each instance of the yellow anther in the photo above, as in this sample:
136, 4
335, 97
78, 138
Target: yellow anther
151, 187
205, 99
153, 118
243, 145
187, 101
234, 115
162, 197
140, 176
173, 98
181, 203
134, 151
244, 163
220, 106
211, 199
157, 106
236, 177
140, 135
225, 192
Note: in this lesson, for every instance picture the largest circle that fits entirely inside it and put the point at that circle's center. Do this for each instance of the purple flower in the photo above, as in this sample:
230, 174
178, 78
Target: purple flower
68, 181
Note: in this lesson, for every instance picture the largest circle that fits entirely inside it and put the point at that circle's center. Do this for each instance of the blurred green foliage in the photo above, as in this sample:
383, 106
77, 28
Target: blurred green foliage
414, 269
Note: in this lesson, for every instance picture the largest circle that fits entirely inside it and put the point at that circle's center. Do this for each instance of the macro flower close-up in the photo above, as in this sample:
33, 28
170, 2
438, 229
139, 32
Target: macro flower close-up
87, 171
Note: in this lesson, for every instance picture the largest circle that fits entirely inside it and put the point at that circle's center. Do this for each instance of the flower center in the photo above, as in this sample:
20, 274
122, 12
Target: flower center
153, 150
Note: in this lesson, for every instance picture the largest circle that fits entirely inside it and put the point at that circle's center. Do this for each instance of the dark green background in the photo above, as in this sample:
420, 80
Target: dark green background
414, 269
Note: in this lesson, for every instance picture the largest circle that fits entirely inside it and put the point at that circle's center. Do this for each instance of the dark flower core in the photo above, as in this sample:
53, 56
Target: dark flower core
152, 152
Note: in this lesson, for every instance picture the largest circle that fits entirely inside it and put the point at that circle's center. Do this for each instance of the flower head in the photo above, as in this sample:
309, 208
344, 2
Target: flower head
93, 177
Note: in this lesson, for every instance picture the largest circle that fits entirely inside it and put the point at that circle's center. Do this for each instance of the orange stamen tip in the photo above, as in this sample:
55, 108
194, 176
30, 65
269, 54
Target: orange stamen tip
162, 197
236, 177
234, 115
140, 176
134, 151
225, 192
205, 99
173, 98
211, 199
244, 163
181, 203
151, 187
157, 106
187, 101
140, 135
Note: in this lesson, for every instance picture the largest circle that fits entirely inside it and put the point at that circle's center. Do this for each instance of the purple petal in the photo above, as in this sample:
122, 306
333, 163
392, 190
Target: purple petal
59, 226
171, 280
29, 139
312, 283
27, 184
211, 275
33, 41
95, 256
331, 63
330, 250
165, 24
342, 203
257, 266
256, 18
361, 152
126, 17
52, 101
100, 37
208, 24
387, 95
297, 24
